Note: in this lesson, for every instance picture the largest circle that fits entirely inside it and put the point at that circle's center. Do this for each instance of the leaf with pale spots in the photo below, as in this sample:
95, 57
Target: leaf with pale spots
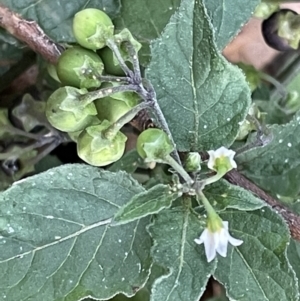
57, 242
228, 17
146, 203
146, 20
129, 162
276, 166
173, 232
224, 195
258, 270
202, 96
293, 254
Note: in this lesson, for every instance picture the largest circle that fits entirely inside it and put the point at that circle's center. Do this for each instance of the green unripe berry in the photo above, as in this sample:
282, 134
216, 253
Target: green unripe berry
110, 108
111, 64
116, 105
66, 112
92, 27
96, 149
154, 144
79, 67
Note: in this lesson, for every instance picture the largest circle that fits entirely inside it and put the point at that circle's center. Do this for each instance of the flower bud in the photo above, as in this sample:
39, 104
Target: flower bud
96, 149
193, 162
79, 67
92, 27
247, 126
66, 112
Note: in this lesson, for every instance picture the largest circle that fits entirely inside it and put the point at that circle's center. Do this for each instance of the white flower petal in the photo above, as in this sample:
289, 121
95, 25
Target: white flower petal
225, 224
234, 241
210, 254
221, 248
221, 152
204, 236
209, 247
217, 242
211, 160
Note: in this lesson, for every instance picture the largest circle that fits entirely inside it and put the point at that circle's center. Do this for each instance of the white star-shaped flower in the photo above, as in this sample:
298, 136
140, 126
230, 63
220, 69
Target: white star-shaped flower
217, 242
222, 157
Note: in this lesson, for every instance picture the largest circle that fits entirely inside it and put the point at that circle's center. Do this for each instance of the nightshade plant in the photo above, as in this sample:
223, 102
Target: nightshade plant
99, 230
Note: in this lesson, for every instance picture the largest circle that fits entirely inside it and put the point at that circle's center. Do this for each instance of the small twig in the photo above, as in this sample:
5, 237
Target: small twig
292, 219
91, 96
262, 138
109, 78
30, 33
112, 45
44, 152
135, 62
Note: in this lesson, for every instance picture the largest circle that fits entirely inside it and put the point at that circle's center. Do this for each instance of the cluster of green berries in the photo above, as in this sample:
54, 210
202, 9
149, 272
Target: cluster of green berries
80, 70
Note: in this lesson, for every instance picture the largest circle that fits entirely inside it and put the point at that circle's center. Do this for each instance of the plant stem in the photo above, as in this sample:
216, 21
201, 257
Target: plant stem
127, 117
213, 179
208, 207
113, 46
119, 79
148, 93
164, 125
280, 88
135, 62
179, 169
19, 132
44, 152
10, 154
91, 96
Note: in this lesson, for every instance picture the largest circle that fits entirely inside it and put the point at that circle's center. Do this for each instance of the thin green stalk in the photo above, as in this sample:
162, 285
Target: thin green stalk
179, 169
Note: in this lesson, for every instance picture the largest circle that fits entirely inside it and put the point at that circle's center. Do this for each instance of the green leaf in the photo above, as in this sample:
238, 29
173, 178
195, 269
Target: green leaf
145, 203
228, 17
146, 20
55, 17
174, 248
129, 162
46, 163
9, 55
274, 113
258, 270
202, 96
56, 241
276, 166
223, 195
293, 253
30, 113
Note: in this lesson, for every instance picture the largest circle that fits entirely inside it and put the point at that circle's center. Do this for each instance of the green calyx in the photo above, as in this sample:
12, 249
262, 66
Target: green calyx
66, 112
154, 145
95, 148
214, 222
92, 28
80, 68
